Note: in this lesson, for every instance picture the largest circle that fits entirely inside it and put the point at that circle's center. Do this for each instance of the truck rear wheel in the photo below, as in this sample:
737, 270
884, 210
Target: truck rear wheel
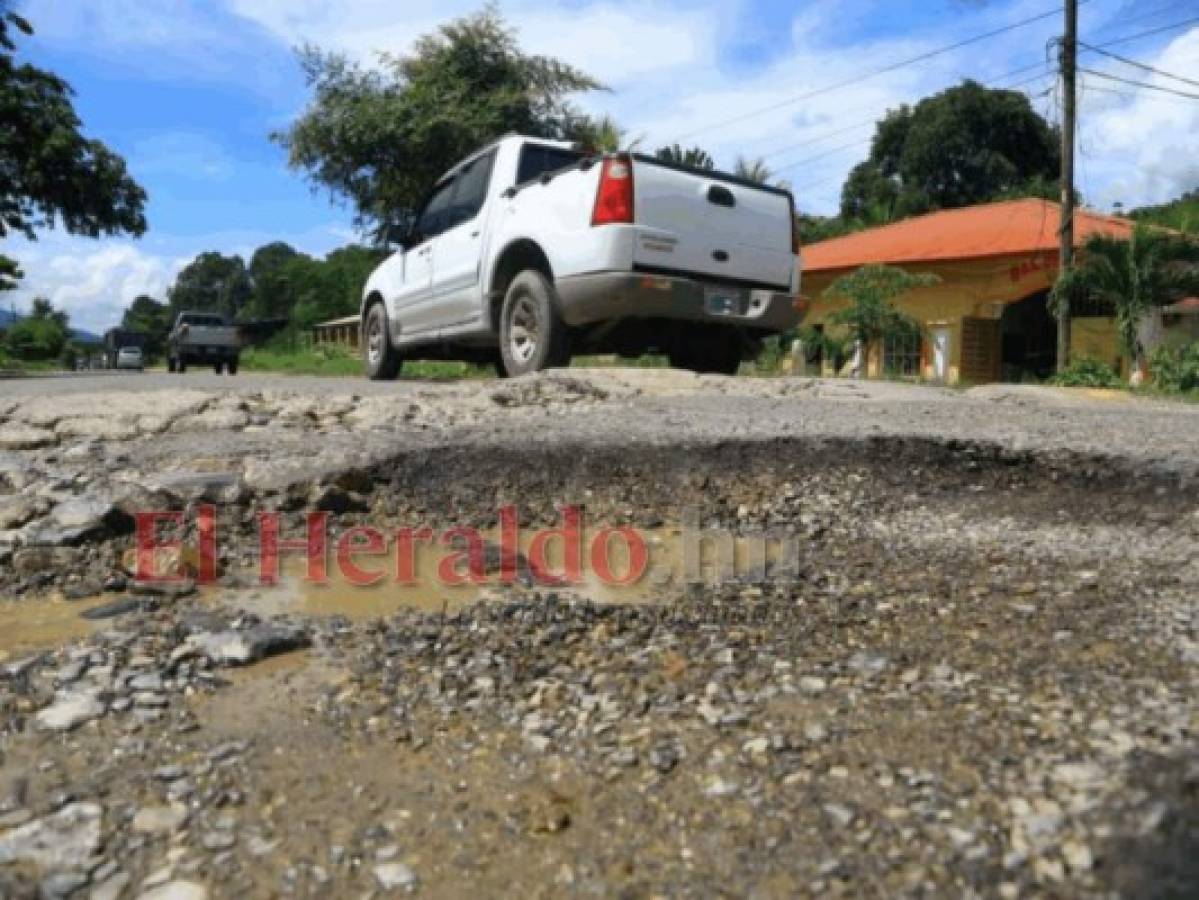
218, 367
380, 357
533, 336
170, 364
231, 366
181, 365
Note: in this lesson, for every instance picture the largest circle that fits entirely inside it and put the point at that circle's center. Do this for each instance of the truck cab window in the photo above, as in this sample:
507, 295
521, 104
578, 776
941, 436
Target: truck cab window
538, 159
435, 217
471, 191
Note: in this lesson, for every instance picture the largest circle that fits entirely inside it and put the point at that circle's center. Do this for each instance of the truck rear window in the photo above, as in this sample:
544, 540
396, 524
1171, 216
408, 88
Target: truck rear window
538, 159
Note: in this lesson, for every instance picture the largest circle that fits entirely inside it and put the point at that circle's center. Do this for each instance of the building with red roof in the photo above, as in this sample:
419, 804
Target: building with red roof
987, 318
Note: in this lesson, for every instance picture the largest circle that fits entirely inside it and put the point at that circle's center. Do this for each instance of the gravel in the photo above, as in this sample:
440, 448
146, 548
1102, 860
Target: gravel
975, 678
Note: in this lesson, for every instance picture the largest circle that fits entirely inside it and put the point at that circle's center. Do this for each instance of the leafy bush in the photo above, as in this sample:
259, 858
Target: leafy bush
1087, 373
1175, 369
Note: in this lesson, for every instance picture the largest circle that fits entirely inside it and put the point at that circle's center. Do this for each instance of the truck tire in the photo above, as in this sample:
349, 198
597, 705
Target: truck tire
181, 365
231, 366
218, 367
170, 364
380, 358
533, 336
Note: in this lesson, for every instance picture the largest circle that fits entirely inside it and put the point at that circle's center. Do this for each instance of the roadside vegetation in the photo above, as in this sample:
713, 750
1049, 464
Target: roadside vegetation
376, 137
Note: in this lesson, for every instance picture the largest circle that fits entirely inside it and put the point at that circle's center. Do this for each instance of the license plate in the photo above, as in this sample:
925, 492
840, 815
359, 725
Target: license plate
722, 302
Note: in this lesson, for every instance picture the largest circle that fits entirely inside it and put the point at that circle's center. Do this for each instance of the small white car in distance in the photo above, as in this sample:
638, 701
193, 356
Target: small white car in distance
130, 358
531, 250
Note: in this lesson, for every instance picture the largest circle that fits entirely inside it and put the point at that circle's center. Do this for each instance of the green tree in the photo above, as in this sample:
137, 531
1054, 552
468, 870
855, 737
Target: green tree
273, 293
871, 315
381, 138
968, 144
50, 172
40, 335
332, 287
150, 317
211, 283
1152, 268
696, 157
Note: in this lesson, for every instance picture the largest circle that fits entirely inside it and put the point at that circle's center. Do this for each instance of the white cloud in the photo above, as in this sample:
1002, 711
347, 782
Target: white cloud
95, 280
671, 78
1139, 145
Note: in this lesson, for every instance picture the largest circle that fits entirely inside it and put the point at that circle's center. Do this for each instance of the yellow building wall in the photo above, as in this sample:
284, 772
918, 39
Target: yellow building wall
1095, 337
967, 289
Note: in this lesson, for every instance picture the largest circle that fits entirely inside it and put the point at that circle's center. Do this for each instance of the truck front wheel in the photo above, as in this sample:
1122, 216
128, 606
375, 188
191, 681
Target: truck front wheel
533, 336
381, 359
170, 364
231, 366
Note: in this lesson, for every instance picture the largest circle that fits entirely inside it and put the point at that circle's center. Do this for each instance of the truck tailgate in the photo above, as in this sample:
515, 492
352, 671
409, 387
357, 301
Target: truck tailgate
711, 225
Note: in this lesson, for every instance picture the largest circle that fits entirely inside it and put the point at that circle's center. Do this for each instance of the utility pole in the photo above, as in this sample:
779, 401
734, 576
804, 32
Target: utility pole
1069, 63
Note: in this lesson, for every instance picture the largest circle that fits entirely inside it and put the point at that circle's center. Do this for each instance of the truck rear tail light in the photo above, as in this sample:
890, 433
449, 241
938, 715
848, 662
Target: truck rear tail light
614, 197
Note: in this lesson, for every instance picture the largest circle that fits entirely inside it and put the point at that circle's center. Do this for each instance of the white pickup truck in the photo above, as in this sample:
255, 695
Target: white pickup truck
531, 250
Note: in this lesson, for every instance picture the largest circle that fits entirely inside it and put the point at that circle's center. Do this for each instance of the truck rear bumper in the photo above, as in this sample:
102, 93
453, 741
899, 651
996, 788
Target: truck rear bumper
603, 296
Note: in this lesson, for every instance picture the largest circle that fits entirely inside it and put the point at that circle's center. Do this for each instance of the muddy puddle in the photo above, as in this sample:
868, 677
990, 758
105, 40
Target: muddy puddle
27, 626
629, 566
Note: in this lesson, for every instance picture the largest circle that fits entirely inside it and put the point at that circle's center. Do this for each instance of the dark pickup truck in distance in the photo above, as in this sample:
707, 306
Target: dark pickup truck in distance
204, 339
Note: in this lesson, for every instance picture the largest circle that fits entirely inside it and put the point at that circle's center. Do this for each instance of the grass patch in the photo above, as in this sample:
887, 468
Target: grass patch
1088, 373
339, 362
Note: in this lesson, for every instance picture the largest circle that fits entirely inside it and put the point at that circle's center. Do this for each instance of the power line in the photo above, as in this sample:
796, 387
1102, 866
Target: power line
1140, 84
1129, 95
893, 67
1140, 65
1089, 48
807, 142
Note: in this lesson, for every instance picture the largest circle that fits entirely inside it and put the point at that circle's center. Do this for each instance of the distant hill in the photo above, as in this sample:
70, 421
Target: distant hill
1182, 213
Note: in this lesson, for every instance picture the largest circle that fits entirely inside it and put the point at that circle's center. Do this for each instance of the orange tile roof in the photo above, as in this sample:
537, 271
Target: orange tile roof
1006, 228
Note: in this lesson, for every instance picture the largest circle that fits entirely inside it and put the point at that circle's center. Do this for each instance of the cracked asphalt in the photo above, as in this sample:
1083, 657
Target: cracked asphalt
976, 676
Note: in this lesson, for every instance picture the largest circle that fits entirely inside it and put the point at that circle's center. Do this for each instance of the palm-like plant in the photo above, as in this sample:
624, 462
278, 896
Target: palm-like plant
1151, 268
696, 157
603, 134
753, 170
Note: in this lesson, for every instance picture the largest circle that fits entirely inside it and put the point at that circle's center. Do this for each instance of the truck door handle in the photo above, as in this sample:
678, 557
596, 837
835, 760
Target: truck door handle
423, 251
721, 196
475, 233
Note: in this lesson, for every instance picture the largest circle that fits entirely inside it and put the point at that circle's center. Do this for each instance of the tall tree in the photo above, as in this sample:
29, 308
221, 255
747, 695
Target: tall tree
50, 172
696, 157
150, 317
968, 144
382, 137
211, 283
1152, 268
273, 292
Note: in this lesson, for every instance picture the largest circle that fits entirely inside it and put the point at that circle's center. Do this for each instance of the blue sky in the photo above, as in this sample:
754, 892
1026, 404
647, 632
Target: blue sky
189, 90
